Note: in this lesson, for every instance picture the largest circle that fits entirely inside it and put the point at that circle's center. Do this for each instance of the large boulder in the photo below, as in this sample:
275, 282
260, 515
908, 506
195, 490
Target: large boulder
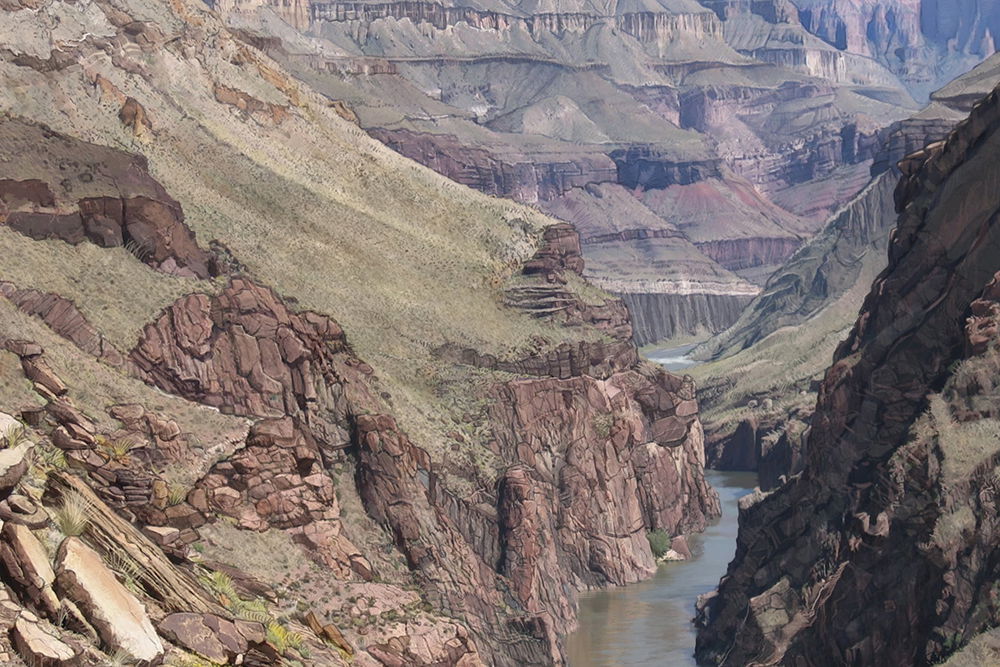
208, 635
120, 619
28, 565
38, 645
13, 465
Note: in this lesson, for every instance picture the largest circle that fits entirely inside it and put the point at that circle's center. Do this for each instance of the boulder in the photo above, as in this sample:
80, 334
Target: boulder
13, 465
28, 565
208, 635
23, 510
23, 348
39, 372
38, 645
7, 423
120, 619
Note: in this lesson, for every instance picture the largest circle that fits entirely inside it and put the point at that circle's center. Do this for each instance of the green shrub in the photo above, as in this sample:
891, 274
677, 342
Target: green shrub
659, 542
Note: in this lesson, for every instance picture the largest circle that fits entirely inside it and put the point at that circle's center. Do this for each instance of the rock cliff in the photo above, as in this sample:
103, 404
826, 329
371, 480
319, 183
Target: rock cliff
925, 42
893, 510
329, 432
729, 104
791, 329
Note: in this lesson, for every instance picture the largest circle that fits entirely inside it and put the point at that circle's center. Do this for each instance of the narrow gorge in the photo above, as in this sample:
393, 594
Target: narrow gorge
435, 333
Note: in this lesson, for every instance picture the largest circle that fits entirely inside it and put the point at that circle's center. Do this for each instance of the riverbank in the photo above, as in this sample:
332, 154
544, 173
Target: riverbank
650, 623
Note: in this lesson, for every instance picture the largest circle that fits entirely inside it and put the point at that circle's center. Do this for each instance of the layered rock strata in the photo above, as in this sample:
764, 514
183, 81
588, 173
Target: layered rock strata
893, 510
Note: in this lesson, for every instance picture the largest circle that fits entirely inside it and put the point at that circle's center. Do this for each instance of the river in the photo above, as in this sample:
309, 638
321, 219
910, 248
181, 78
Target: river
649, 623
673, 358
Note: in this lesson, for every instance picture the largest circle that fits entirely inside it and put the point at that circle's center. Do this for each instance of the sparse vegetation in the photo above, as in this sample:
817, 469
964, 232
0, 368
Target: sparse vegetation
14, 436
117, 449
603, 424
72, 516
659, 542
176, 493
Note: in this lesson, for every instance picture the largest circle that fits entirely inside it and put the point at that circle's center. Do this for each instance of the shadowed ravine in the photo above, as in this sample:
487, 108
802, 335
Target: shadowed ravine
649, 623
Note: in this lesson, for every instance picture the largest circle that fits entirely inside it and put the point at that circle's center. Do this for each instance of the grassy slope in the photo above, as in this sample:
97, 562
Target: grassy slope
781, 366
404, 259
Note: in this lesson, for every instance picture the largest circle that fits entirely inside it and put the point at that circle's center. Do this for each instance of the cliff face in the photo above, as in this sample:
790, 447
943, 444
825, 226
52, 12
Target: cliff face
894, 509
371, 401
731, 101
925, 42
806, 305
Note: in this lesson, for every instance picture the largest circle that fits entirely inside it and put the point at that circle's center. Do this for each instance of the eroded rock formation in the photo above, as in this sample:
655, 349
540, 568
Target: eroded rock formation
895, 509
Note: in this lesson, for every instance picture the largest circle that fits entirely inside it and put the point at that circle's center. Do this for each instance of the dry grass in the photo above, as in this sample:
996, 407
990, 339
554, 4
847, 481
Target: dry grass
982, 650
116, 292
402, 258
95, 385
72, 516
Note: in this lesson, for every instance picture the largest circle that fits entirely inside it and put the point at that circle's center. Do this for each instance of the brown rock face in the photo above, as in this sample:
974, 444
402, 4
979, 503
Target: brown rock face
101, 195
279, 479
896, 509
244, 351
63, 317
634, 434
208, 635
600, 464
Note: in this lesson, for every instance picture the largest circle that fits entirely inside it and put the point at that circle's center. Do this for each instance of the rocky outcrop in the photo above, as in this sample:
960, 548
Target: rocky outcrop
118, 616
63, 317
108, 198
212, 637
279, 479
504, 173
895, 508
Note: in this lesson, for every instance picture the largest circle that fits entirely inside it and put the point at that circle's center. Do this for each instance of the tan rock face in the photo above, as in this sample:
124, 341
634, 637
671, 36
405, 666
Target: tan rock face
39, 646
120, 619
27, 563
13, 465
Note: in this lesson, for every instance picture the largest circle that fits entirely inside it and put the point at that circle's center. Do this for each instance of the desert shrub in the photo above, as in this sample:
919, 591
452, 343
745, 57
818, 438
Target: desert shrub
176, 493
659, 542
14, 436
118, 449
72, 517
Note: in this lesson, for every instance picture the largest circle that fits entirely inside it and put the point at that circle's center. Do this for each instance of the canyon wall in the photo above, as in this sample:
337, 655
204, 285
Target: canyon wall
894, 510
735, 101
259, 396
925, 42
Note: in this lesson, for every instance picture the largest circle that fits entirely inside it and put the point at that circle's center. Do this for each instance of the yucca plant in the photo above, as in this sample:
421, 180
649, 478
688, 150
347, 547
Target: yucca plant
14, 436
118, 449
222, 587
176, 493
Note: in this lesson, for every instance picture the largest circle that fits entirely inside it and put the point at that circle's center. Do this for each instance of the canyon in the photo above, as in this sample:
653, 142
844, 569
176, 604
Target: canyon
744, 131
892, 509
249, 432
321, 328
